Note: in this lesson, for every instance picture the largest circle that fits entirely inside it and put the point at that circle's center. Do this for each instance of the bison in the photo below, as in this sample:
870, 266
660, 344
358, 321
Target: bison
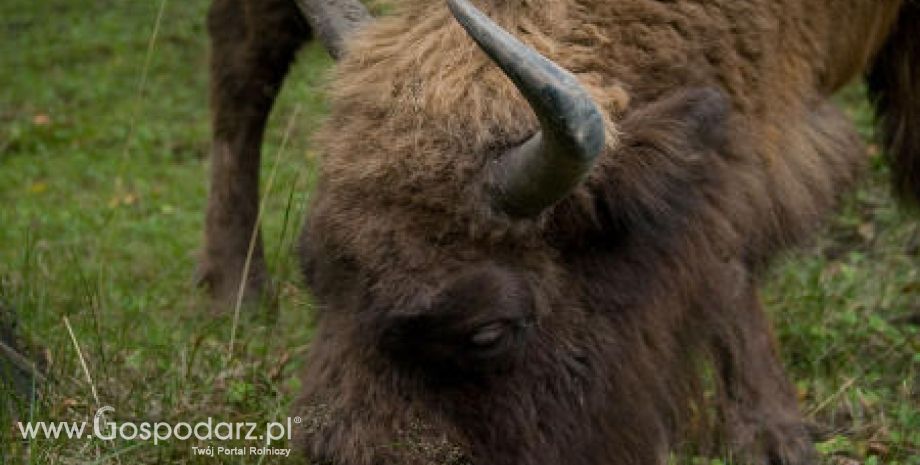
539, 228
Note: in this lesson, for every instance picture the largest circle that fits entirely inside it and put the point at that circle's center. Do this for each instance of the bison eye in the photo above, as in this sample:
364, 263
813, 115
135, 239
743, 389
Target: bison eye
476, 324
489, 334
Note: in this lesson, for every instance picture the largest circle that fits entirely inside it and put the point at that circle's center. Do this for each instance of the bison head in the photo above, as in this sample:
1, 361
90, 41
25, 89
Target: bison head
457, 323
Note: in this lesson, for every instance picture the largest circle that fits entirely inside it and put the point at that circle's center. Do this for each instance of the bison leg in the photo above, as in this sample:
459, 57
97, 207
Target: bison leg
763, 423
253, 43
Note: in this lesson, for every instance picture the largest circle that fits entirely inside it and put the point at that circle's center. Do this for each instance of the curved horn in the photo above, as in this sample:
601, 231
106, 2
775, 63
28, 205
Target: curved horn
539, 172
333, 20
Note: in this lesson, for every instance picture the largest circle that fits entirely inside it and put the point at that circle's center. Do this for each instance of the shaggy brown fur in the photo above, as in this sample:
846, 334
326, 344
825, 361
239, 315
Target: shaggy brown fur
450, 333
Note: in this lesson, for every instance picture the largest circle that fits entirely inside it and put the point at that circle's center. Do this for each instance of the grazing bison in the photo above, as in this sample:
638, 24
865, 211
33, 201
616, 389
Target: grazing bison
519, 261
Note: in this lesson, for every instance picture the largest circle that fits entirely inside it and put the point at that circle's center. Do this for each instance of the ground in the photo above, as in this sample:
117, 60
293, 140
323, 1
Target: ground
103, 143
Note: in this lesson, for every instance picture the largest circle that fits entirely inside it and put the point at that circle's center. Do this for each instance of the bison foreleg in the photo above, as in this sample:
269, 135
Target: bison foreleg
253, 43
761, 417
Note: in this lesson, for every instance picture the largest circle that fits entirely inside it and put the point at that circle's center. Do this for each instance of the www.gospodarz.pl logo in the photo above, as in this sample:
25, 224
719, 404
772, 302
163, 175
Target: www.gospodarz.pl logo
159, 432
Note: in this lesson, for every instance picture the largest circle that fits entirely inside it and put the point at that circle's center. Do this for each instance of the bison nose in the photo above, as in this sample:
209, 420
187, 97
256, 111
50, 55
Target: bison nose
455, 460
402, 448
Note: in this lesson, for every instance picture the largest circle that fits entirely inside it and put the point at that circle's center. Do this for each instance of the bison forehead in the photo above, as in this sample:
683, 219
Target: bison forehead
415, 116
419, 69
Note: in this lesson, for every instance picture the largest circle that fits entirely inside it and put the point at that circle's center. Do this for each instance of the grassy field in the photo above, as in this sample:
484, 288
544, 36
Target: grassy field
103, 143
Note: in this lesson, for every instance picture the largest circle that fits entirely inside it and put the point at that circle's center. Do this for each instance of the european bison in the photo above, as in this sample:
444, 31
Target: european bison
515, 264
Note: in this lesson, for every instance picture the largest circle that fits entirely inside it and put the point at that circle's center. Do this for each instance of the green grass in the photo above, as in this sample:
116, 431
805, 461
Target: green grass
846, 313
102, 185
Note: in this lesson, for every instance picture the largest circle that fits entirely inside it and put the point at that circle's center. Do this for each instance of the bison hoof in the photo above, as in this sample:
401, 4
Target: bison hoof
223, 285
787, 444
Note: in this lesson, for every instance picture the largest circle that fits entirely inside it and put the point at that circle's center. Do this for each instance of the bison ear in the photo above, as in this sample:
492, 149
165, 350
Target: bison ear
706, 110
696, 116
